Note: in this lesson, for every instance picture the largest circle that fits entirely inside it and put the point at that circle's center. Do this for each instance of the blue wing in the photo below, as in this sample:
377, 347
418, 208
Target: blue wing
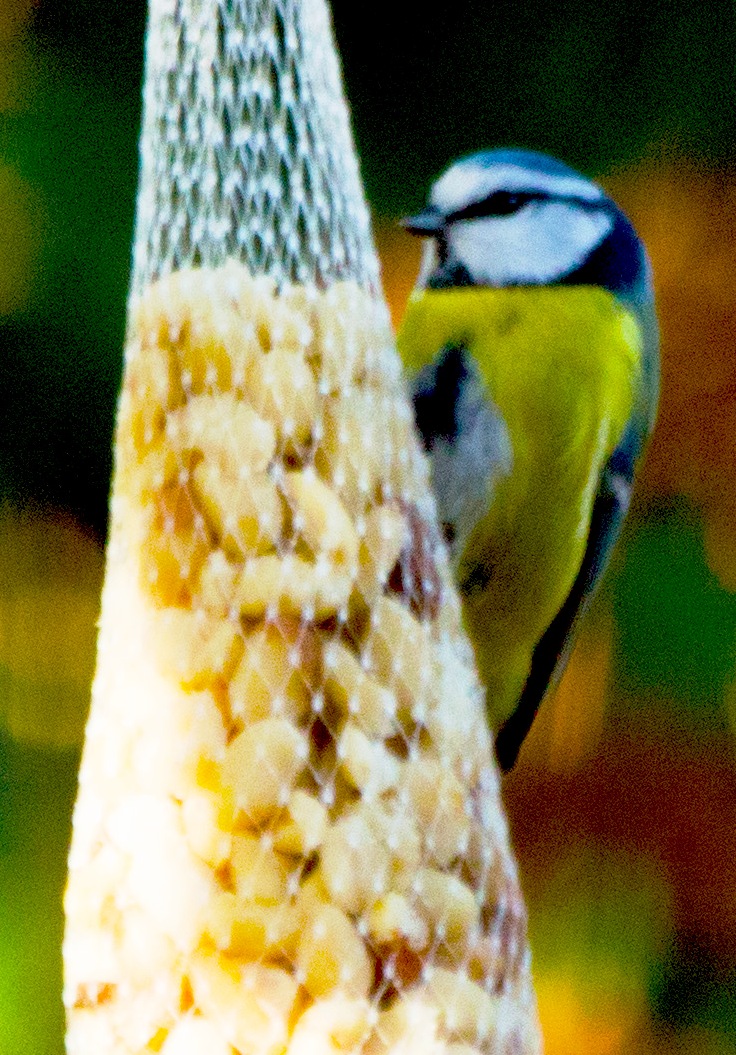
551, 653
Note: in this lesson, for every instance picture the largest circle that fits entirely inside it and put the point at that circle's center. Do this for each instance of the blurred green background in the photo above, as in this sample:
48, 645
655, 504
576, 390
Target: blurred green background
623, 808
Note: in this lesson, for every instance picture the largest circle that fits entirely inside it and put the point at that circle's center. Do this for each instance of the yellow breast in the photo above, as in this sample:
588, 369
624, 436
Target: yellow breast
562, 364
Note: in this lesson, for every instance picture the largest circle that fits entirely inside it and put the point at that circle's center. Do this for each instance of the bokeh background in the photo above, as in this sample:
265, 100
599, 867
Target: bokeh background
623, 807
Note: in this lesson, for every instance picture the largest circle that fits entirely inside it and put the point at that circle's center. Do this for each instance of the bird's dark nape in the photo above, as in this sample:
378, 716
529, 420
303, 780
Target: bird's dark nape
618, 264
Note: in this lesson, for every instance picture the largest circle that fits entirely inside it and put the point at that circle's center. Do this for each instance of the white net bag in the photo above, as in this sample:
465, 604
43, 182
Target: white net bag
247, 150
287, 837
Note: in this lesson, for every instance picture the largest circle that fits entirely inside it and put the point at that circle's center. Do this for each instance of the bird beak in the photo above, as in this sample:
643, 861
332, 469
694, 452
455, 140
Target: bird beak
426, 223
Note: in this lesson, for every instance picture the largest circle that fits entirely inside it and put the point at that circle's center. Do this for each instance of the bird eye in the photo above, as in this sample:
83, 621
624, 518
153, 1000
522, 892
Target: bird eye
500, 203
503, 203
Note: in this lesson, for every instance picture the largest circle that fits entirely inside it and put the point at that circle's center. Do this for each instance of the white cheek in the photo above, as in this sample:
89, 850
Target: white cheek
539, 244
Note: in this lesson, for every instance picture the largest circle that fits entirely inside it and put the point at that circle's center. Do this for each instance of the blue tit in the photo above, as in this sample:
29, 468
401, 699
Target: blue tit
532, 348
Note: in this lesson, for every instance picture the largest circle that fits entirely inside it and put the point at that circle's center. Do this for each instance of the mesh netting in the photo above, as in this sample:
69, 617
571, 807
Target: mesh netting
247, 152
287, 837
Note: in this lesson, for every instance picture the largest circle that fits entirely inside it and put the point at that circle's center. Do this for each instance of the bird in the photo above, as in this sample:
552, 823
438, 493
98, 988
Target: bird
530, 343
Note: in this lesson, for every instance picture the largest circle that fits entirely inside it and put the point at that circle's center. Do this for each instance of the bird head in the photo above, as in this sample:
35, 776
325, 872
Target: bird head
519, 218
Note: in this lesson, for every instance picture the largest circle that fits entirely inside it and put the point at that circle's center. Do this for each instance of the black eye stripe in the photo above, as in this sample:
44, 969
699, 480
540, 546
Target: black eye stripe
506, 203
500, 203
